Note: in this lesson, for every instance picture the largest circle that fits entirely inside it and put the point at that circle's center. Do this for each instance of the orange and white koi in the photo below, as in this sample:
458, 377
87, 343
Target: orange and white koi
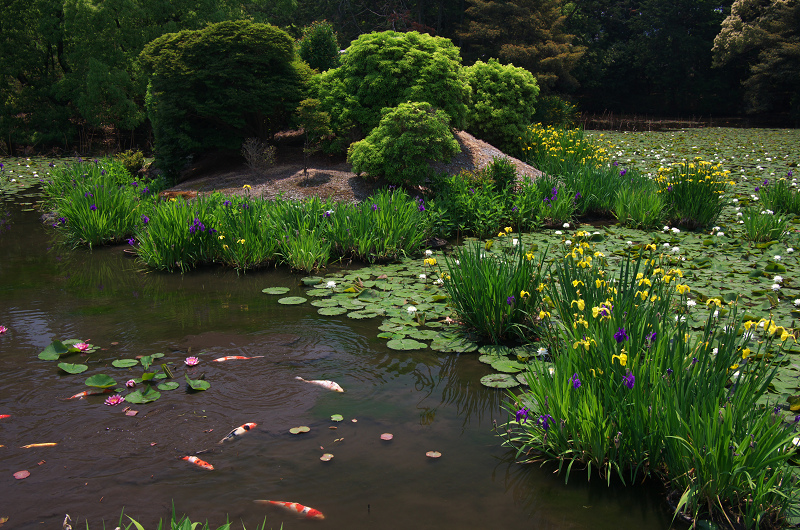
324, 383
46, 444
305, 512
238, 431
196, 461
4, 416
81, 395
235, 358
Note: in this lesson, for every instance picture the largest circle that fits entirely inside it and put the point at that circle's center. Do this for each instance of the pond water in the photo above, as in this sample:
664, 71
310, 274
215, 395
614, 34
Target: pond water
106, 460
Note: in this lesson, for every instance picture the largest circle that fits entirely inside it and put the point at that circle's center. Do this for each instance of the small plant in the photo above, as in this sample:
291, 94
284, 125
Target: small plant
780, 195
469, 204
132, 160
558, 204
258, 155
763, 225
502, 173
692, 192
400, 148
640, 208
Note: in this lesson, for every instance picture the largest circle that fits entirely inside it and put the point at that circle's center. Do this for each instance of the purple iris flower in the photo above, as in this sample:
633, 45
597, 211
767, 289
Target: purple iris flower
622, 172
629, 380
545, 421
576, 383
621, 335
93, 207
226, 203
374, 207
521, 414
145, 219
510, 300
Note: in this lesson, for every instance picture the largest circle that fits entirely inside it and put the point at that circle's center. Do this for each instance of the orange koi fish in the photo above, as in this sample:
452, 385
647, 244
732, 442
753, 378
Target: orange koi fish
330, 385
4, 416
46, 444
234, 358
81, 395
305, 512
238, 431
196, 461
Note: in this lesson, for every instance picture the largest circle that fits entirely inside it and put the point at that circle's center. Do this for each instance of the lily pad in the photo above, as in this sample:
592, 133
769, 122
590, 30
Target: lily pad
361, 315
499, 381
433, 454
100, 381
331, 311
337, 417
53, 351
326, 302
170, 385
311, 280
73, 368
298, 430
275, 290
145, 396
124, 363
318, 292
508, 367
197, 384
292, 300
406, 344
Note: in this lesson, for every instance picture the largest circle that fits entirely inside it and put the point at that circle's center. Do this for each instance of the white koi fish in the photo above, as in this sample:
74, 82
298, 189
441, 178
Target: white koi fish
324, 383
304, 512
238, 431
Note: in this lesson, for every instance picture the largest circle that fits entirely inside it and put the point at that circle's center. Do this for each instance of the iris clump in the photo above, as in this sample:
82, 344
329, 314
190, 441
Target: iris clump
659, 399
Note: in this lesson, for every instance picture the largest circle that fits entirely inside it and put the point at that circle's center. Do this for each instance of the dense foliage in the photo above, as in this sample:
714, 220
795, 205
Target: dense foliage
385, 69
211, 88
408, 137
319, 46
503, 103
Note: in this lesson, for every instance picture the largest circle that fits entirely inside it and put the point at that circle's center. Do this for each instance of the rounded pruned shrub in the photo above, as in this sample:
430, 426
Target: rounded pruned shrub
503, 103
319, 46
385, 69
400, 148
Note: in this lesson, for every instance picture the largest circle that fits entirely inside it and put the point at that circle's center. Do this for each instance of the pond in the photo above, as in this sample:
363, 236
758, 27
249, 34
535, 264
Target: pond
105, 460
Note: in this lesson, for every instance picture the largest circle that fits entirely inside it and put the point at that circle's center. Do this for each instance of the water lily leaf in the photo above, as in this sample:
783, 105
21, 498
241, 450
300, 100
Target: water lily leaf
139, 396
73, 368
331, 311
318, 292
423, 334
794, 403
292, 300
775, 267
508, 367
337, 417
491, 358
369, 294
311, 280
53, 351
124, 363
298, 430
406, 344
361, 315
197, 384
433, 454
100, 381
275, 290
170, 385
521, 377
327, 302
499, 381
147, 376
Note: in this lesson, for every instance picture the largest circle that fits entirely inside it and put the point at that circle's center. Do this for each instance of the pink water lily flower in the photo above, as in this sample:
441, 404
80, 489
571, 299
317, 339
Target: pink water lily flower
82, 346
192, 361
3, 329
114, 400
130, 383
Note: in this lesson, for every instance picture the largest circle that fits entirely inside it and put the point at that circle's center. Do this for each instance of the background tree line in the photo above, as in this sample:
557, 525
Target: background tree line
70, 69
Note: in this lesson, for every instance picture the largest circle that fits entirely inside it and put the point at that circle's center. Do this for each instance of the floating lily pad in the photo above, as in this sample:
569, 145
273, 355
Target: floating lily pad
124, 363
423, 334
433, 454
100, 381
406, 344
361, 315
331, 311
73, 368
197, 384
491, 358
143, 396
499, 381
311, 280
327, 302
298, 430
292, 300
326, 457
170, 385
53, 351
337, 417
318, 292
522, 378
508, 367
275, 290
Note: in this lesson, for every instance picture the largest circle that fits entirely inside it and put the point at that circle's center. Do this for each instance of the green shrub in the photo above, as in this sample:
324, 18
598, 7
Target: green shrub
132, 160
502, 173
319, 46
468, 204
555, 111
400, 148
503, 103
214, 87
382, 70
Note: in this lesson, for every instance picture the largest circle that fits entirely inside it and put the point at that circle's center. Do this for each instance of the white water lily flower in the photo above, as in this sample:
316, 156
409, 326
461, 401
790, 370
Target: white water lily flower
777, 279
665, 229
629, 243
776, 257
690, 303
567, 242
422, 277
735, 200
558, 232
331, 284
565, 225
411, 309
776, 287
666, 245
514, 242
439, 282
680, 318
797, 302
675, 250
541, 352
429, 252
715, 229
676, 231
551, 370
738, 214
720, 234
789, 250
457, 262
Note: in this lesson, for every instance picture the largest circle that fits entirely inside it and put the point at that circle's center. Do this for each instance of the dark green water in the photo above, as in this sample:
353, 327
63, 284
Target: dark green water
105, 460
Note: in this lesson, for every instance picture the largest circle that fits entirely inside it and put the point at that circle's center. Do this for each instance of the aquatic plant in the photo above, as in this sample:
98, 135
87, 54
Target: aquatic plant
761, 225
692, 192
780, 195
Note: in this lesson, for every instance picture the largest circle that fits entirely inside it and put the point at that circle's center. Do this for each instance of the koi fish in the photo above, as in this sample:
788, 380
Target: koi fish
238, 431
234, 358
330, 385
46, 444
4, 416
196, 461
305, 512
81, 395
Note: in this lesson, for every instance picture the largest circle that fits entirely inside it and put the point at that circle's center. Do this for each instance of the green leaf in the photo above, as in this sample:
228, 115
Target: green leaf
124, 363
197, 384
331, 311
406, 344
337, 417
499, 381
73, 368
292, 300
171, 385
508, 367
145, 396
275, 290
100, 381
53, 351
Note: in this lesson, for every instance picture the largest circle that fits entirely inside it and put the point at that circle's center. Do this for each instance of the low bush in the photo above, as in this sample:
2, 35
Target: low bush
258, 155
401, 147
132, 160
552, 110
